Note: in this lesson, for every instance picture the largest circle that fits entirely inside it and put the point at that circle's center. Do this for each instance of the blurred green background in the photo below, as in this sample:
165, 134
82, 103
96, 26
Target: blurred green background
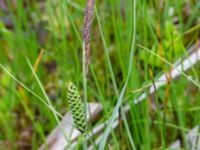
49, 34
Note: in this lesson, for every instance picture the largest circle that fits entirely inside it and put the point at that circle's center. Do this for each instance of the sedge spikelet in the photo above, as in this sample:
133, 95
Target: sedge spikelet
77, 107
87, 30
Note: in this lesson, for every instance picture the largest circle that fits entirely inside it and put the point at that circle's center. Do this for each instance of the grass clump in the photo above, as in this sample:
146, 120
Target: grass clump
128, 45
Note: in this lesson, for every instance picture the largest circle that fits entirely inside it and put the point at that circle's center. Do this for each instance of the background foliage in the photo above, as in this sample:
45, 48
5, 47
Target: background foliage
49, 34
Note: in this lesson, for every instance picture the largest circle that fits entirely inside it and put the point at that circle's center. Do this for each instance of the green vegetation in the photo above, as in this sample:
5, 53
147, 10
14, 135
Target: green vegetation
41, 49
77, 107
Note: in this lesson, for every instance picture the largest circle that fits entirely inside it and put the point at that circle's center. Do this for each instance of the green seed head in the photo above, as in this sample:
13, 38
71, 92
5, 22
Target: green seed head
77, 107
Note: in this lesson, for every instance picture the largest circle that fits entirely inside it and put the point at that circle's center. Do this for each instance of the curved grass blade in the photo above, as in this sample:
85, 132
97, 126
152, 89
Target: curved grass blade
167, 62
120, 98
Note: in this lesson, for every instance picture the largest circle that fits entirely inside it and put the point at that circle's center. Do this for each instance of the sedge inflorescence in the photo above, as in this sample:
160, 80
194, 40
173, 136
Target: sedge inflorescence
77, 107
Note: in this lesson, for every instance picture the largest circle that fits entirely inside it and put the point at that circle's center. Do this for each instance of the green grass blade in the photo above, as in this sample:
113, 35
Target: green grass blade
120, 98
48, 101
167, 62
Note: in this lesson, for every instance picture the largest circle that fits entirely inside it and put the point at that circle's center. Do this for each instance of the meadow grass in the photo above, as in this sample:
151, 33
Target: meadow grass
132, 43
